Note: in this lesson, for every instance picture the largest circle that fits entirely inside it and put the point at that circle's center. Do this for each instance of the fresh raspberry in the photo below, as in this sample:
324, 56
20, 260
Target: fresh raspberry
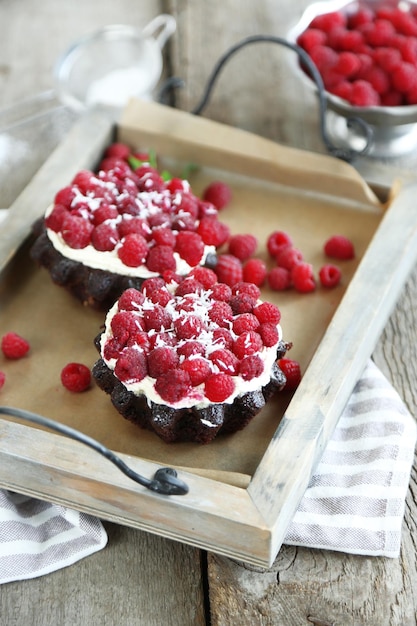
76, 231
218, 387
251, 367
104, 237
130, 300
151, 284
191, 349
407, 50
324, 58
348, 64
378, 78
221, 313
221, 292
289, 257
249, 342
85, 180
131, 365
103, 213
125, 324
387, 58
279, 278
378, 33
255, 271
292, 372
190, 247
246, 287
242, 246
134, 225
2, 379
188, 327
364, 15
14, 346
161, 360
163, 236
173, 386
177, 185
160, 258
205, 276
277, 241
133, 250
269, 334
352, 41
157, 318
189, 285
222, 338
160, 296
267, 312
118, 150
330, 275
404, 77
394, 99
218, 193
65, 196
245, 321
112, 349
198, 369
311, 38
56, 217
328, 21
331, 77
76, 377
339, 247
206, 209
303, 278
225, 361
363, 94
242, 303
229, 269
213, 232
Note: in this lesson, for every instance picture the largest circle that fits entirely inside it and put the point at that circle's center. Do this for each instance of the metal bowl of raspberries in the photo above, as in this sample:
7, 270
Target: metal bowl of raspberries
366, 54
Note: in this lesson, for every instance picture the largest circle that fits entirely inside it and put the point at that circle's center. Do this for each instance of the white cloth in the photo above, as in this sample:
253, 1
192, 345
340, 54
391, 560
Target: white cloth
355, 501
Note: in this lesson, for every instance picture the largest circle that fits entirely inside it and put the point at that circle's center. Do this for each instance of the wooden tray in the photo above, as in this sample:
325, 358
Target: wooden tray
245, 488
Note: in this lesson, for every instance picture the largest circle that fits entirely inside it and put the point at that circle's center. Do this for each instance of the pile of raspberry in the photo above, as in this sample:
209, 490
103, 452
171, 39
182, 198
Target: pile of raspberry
367, 57
191, 339
130, 208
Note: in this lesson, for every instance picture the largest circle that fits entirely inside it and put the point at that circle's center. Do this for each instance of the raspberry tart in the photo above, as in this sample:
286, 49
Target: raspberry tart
190, 359
111, 229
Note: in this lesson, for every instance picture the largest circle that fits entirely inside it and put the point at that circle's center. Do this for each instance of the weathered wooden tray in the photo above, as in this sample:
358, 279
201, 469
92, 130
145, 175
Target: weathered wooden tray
244, 489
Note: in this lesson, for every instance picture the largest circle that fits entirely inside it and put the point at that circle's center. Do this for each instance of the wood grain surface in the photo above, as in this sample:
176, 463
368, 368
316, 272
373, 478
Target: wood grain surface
144, 579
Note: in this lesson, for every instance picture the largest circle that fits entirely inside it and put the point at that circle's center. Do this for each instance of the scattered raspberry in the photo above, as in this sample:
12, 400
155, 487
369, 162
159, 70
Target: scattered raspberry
14, 346
190, 247
218, 193
198, 369
339, 247
2, 379
242, 246
229, 269
267, 312
218, 387
277, 241
255, 271
160, 258
292, 372
161, 360
173, 386
76, 231
289, 257
76, 377
251, 367
133, 250
279, 278
303, 278
330, 275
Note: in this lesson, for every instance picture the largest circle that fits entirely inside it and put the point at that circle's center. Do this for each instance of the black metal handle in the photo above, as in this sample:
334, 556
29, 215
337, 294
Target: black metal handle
164, 482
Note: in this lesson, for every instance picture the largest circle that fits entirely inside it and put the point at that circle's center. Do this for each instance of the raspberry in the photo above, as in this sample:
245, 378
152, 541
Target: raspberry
363, 15
152, 284
104, 237
339, 247
348, 64
225, 361
218, 387
229, 269
245, 321
352, 41
173, 386
242, 303
131, 365
189, 327
267, 312
248, 288
160, 296
76, 231
177, 185
213, 232
65, 196
188, 285
222, 337
191, 348
289, 257
221, 292
2, 379
190, 247
206, 209
118, 150
387, 58
198, 369
249, 342
303, 278
221, 313
251, 367
103, 213
328, 21
311, 38
157, 318
130, 300
363, 94
378, 78
56, 217
160, 258
124, 325
292, 372
14, 346
163, 236
378, 33
205, 276
218, 193
277, 241
137, 225
76, 377
255, 271
85, 181
323, 57
330, 275
269, 334
161, 360
404, 77
133, 250
242, 246
279, 278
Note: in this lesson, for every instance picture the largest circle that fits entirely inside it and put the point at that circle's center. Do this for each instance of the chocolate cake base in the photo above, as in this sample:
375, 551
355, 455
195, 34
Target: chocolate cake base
189, 424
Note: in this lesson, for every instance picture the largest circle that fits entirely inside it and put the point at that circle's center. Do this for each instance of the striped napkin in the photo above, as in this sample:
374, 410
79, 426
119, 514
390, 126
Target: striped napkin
355, 501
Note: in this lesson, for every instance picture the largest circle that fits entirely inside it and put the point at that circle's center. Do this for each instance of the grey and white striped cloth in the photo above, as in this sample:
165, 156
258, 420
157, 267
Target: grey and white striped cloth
355, 501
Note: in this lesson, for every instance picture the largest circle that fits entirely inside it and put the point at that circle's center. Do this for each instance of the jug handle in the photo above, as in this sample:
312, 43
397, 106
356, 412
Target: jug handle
165, 23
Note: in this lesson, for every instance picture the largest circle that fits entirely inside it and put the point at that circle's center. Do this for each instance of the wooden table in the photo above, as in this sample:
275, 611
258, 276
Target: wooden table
145, 579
